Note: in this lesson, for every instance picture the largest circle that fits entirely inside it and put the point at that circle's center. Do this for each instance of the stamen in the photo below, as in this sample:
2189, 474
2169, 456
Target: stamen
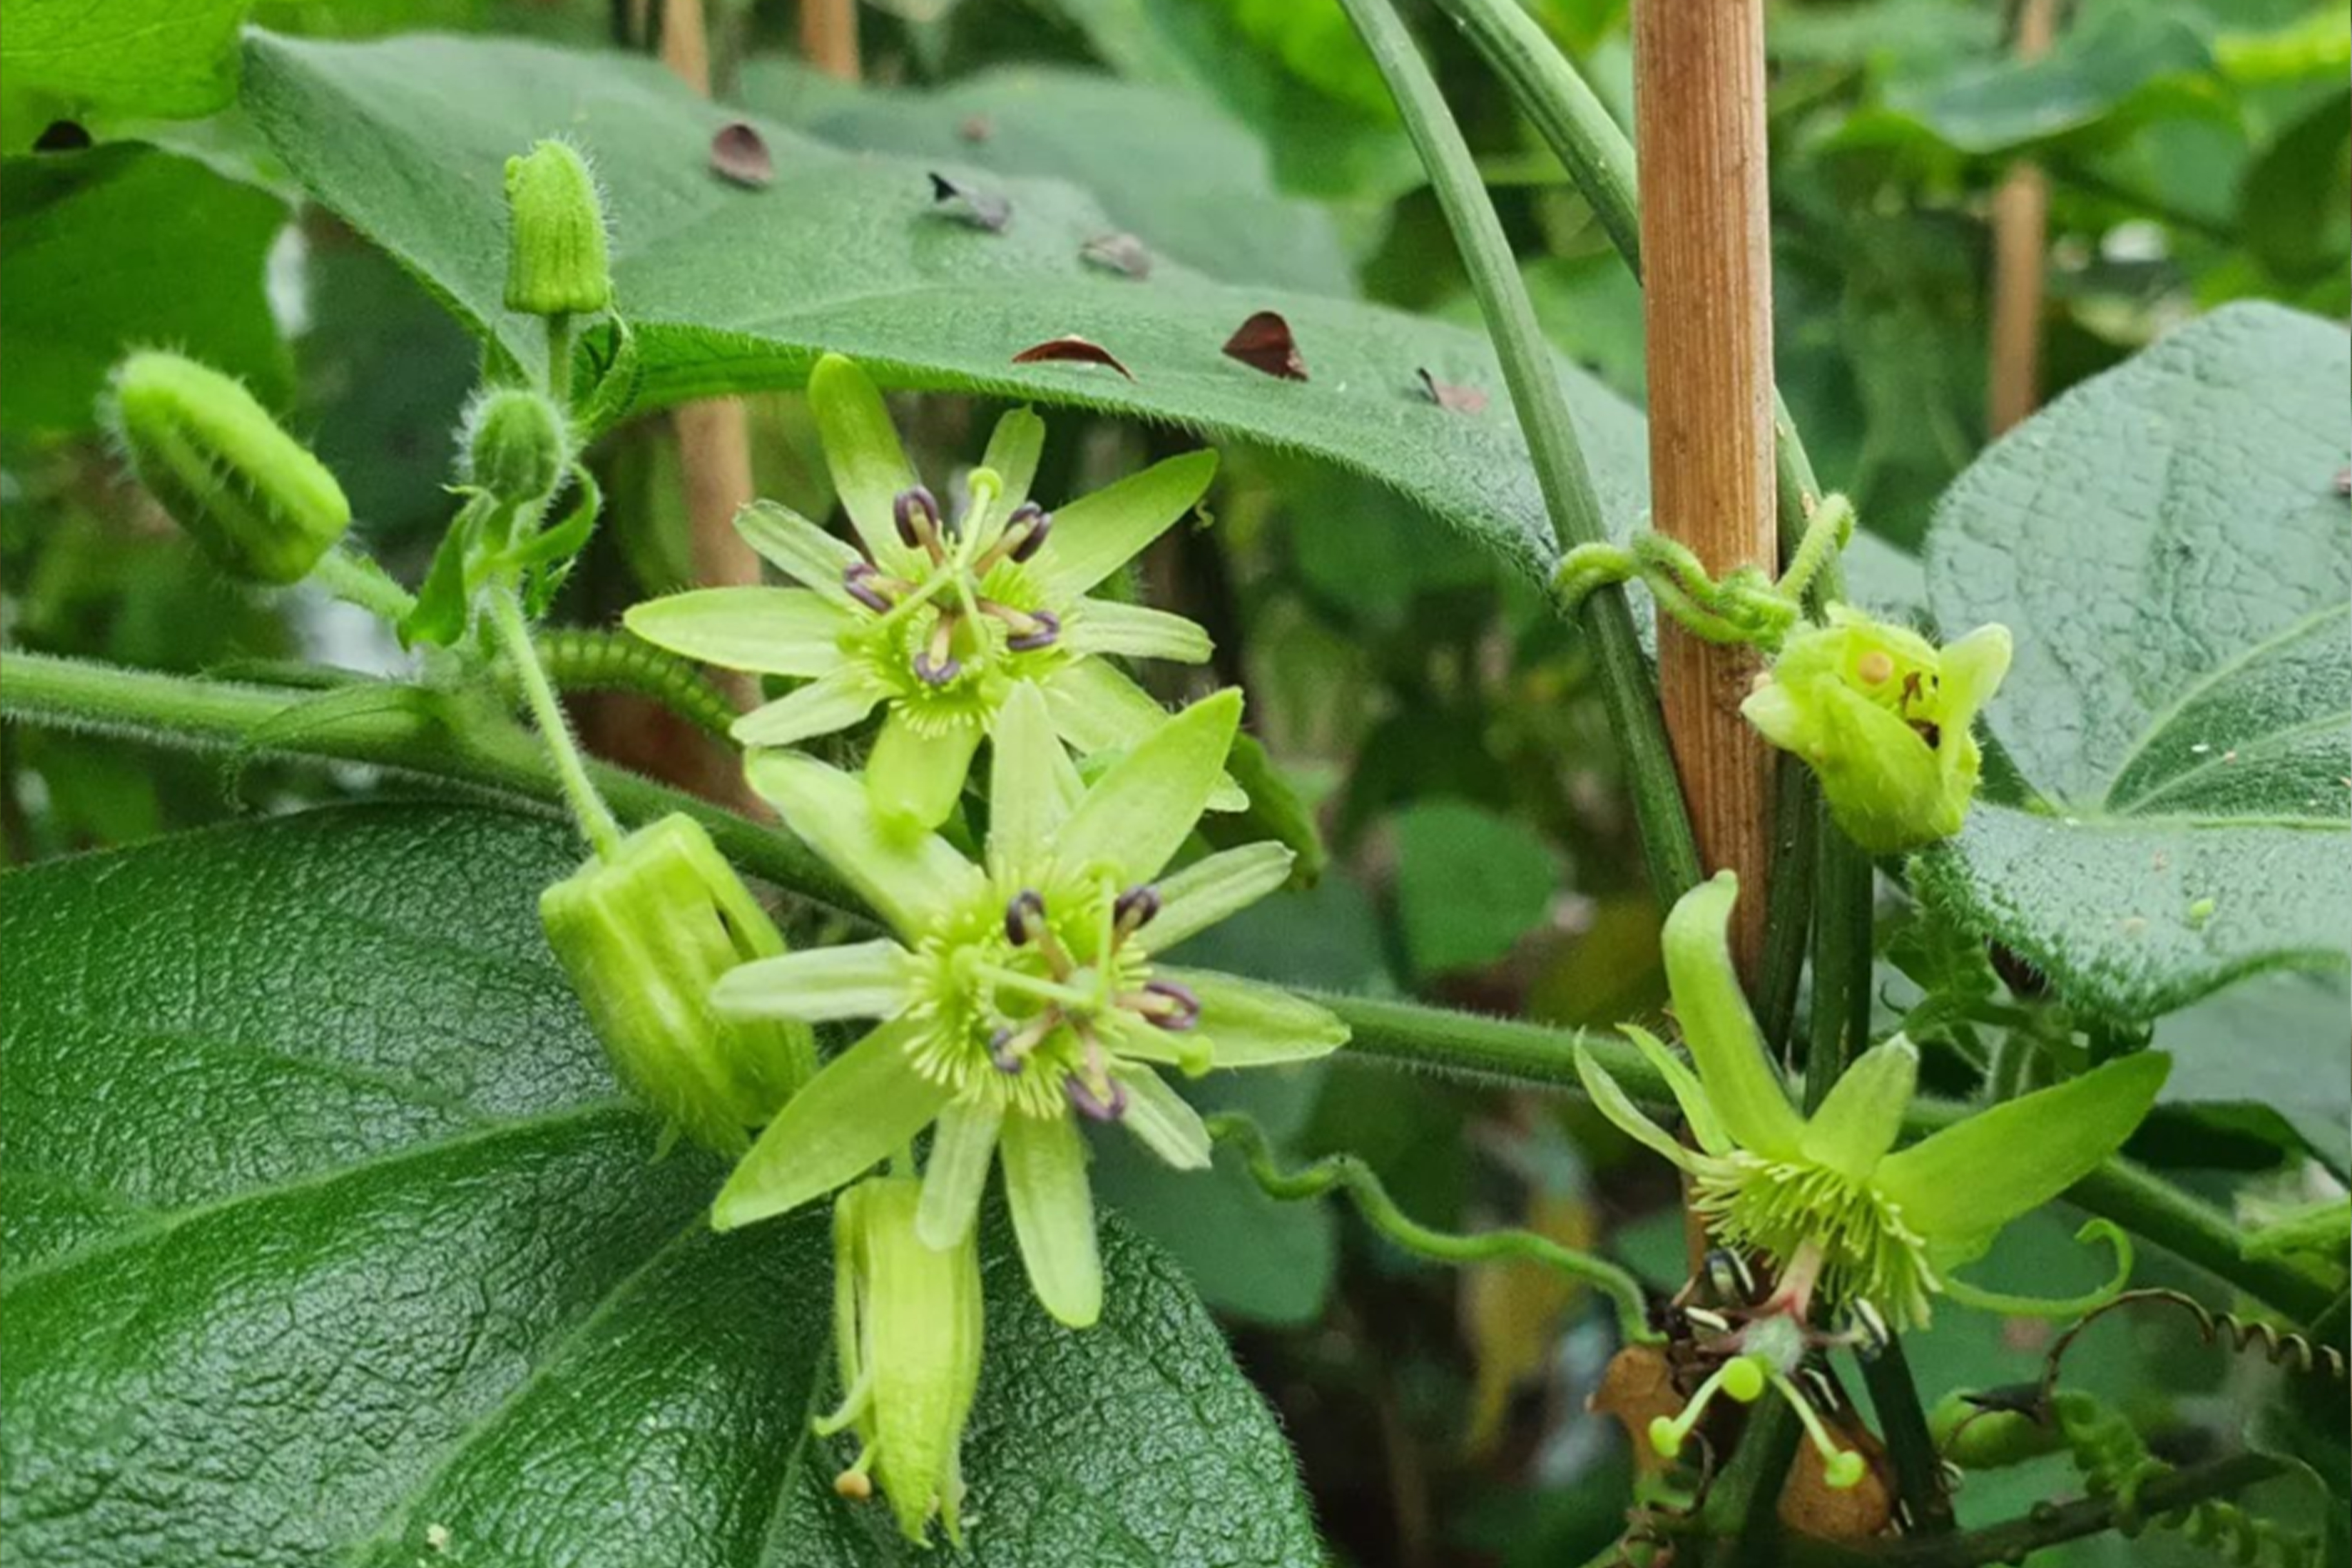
1025, 916
916, 512
1134, 910
860, 579
1010, 1050
1034, 522
935, 665
1045, 630
1166, 1004
1107, 1103
1875, 667
854, 1483
1742, 1377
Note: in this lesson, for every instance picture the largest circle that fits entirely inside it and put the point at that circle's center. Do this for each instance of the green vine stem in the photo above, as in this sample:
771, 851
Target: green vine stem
438, 735
588, 808
1345, 1172
1634, 718
357, 580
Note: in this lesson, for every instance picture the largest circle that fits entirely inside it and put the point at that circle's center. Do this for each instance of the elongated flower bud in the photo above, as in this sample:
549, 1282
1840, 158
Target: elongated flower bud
643, 936
557, 260
253, 496
908, 1325
515, 446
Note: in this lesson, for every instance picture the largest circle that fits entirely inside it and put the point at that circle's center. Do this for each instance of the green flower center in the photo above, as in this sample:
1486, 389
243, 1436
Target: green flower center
1775, 1206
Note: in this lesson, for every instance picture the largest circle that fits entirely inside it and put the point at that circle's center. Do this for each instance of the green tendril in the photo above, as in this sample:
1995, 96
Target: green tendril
2114, 1461
1743, 607
2082, 1306
618, 661
1348, 1174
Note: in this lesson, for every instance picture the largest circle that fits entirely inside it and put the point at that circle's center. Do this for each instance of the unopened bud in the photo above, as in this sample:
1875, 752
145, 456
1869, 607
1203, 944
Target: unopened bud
253, 496
643, 936
515, 446
557, 262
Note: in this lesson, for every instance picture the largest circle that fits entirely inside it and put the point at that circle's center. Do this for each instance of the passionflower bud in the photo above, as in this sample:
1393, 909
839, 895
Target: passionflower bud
644, 935
515, 446
908, 1319
1885, 719
556, 255
253, 496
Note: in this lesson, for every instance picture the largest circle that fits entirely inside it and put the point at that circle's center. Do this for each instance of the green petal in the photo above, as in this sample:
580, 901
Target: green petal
798, 548
861, 448
1858, 1122
1684, 1085
1971, 1179
867, 1102
1032, 786
1138, 814
831, 702
1097, 534
1096, 708
1717, 1026
1214, 887
1248, 1025
1134, 631
916, 776
1054, 1216
1973, 669
1013, 450
1611, 1100
908, 879
865, 980
776, 631
1168, 1126
1780, 718
963, 1143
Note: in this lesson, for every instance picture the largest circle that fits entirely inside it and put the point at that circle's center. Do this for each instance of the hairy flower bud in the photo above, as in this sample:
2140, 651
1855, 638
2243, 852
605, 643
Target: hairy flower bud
515, 446
908, 1319
643, 936
259, 504
557, 262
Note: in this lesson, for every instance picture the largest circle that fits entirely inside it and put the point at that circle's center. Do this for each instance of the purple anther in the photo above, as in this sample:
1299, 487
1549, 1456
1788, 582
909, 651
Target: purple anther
858, 578
1178, 1010
1008, 1061
1022, 915
916, 512
1087, 1103
1133, 909
1045, 630
1034, 523
938, 673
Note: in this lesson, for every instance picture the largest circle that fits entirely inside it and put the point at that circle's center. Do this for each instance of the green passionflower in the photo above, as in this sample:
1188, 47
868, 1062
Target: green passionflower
1015, 993
1884, 1223
937, 616
1886, 720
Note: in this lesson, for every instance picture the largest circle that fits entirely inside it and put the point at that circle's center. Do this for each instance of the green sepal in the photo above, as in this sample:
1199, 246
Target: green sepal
1054, 1214
645, 936
1717, 1025
916, 775
442, 605
866, 1103
1858, 1122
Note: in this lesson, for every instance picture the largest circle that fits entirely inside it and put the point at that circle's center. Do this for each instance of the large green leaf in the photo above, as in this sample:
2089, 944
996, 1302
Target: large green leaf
2166, 542
122, 246
735, 288
176, 58
1193, 185
327, 1241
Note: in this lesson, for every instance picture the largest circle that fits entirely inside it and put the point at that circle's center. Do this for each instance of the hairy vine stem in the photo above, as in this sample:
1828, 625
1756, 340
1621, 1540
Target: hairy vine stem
438, 735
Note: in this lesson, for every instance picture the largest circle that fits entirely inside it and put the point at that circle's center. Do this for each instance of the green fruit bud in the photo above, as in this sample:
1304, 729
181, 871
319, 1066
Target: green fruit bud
515, 446
259, 504
1885, 719
908, 1324
643, 936
556, 258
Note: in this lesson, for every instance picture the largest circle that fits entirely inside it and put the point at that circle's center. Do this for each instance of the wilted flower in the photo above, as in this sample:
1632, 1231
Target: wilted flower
907, 1325
1885, 719
1015, 994
938, 616
1884, 1224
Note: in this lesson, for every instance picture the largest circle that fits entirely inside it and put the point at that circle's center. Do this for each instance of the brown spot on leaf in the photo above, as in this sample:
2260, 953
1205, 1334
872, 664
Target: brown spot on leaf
738, 156
1071, 349
2343, 477
1263, 343
976, 128
1118, 253
1447, 394
981, 209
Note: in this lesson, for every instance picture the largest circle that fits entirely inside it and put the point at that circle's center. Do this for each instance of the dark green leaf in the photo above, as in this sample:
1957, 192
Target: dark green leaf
328, 1241
123, 246
170, 59
1469, 884
2167, 544
733, 289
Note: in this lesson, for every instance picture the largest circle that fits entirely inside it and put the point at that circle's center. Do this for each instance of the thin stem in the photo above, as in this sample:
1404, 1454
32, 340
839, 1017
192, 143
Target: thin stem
1841, 940
356, 580
1742, 1510
1569, 500
588, 807
1345, 1172
559, 358
1787, 922
434, 735
1918, 1473
581, 660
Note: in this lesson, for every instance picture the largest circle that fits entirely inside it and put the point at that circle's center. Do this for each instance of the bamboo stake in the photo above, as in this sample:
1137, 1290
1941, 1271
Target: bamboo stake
2020, 231
1708, 274
829, 37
